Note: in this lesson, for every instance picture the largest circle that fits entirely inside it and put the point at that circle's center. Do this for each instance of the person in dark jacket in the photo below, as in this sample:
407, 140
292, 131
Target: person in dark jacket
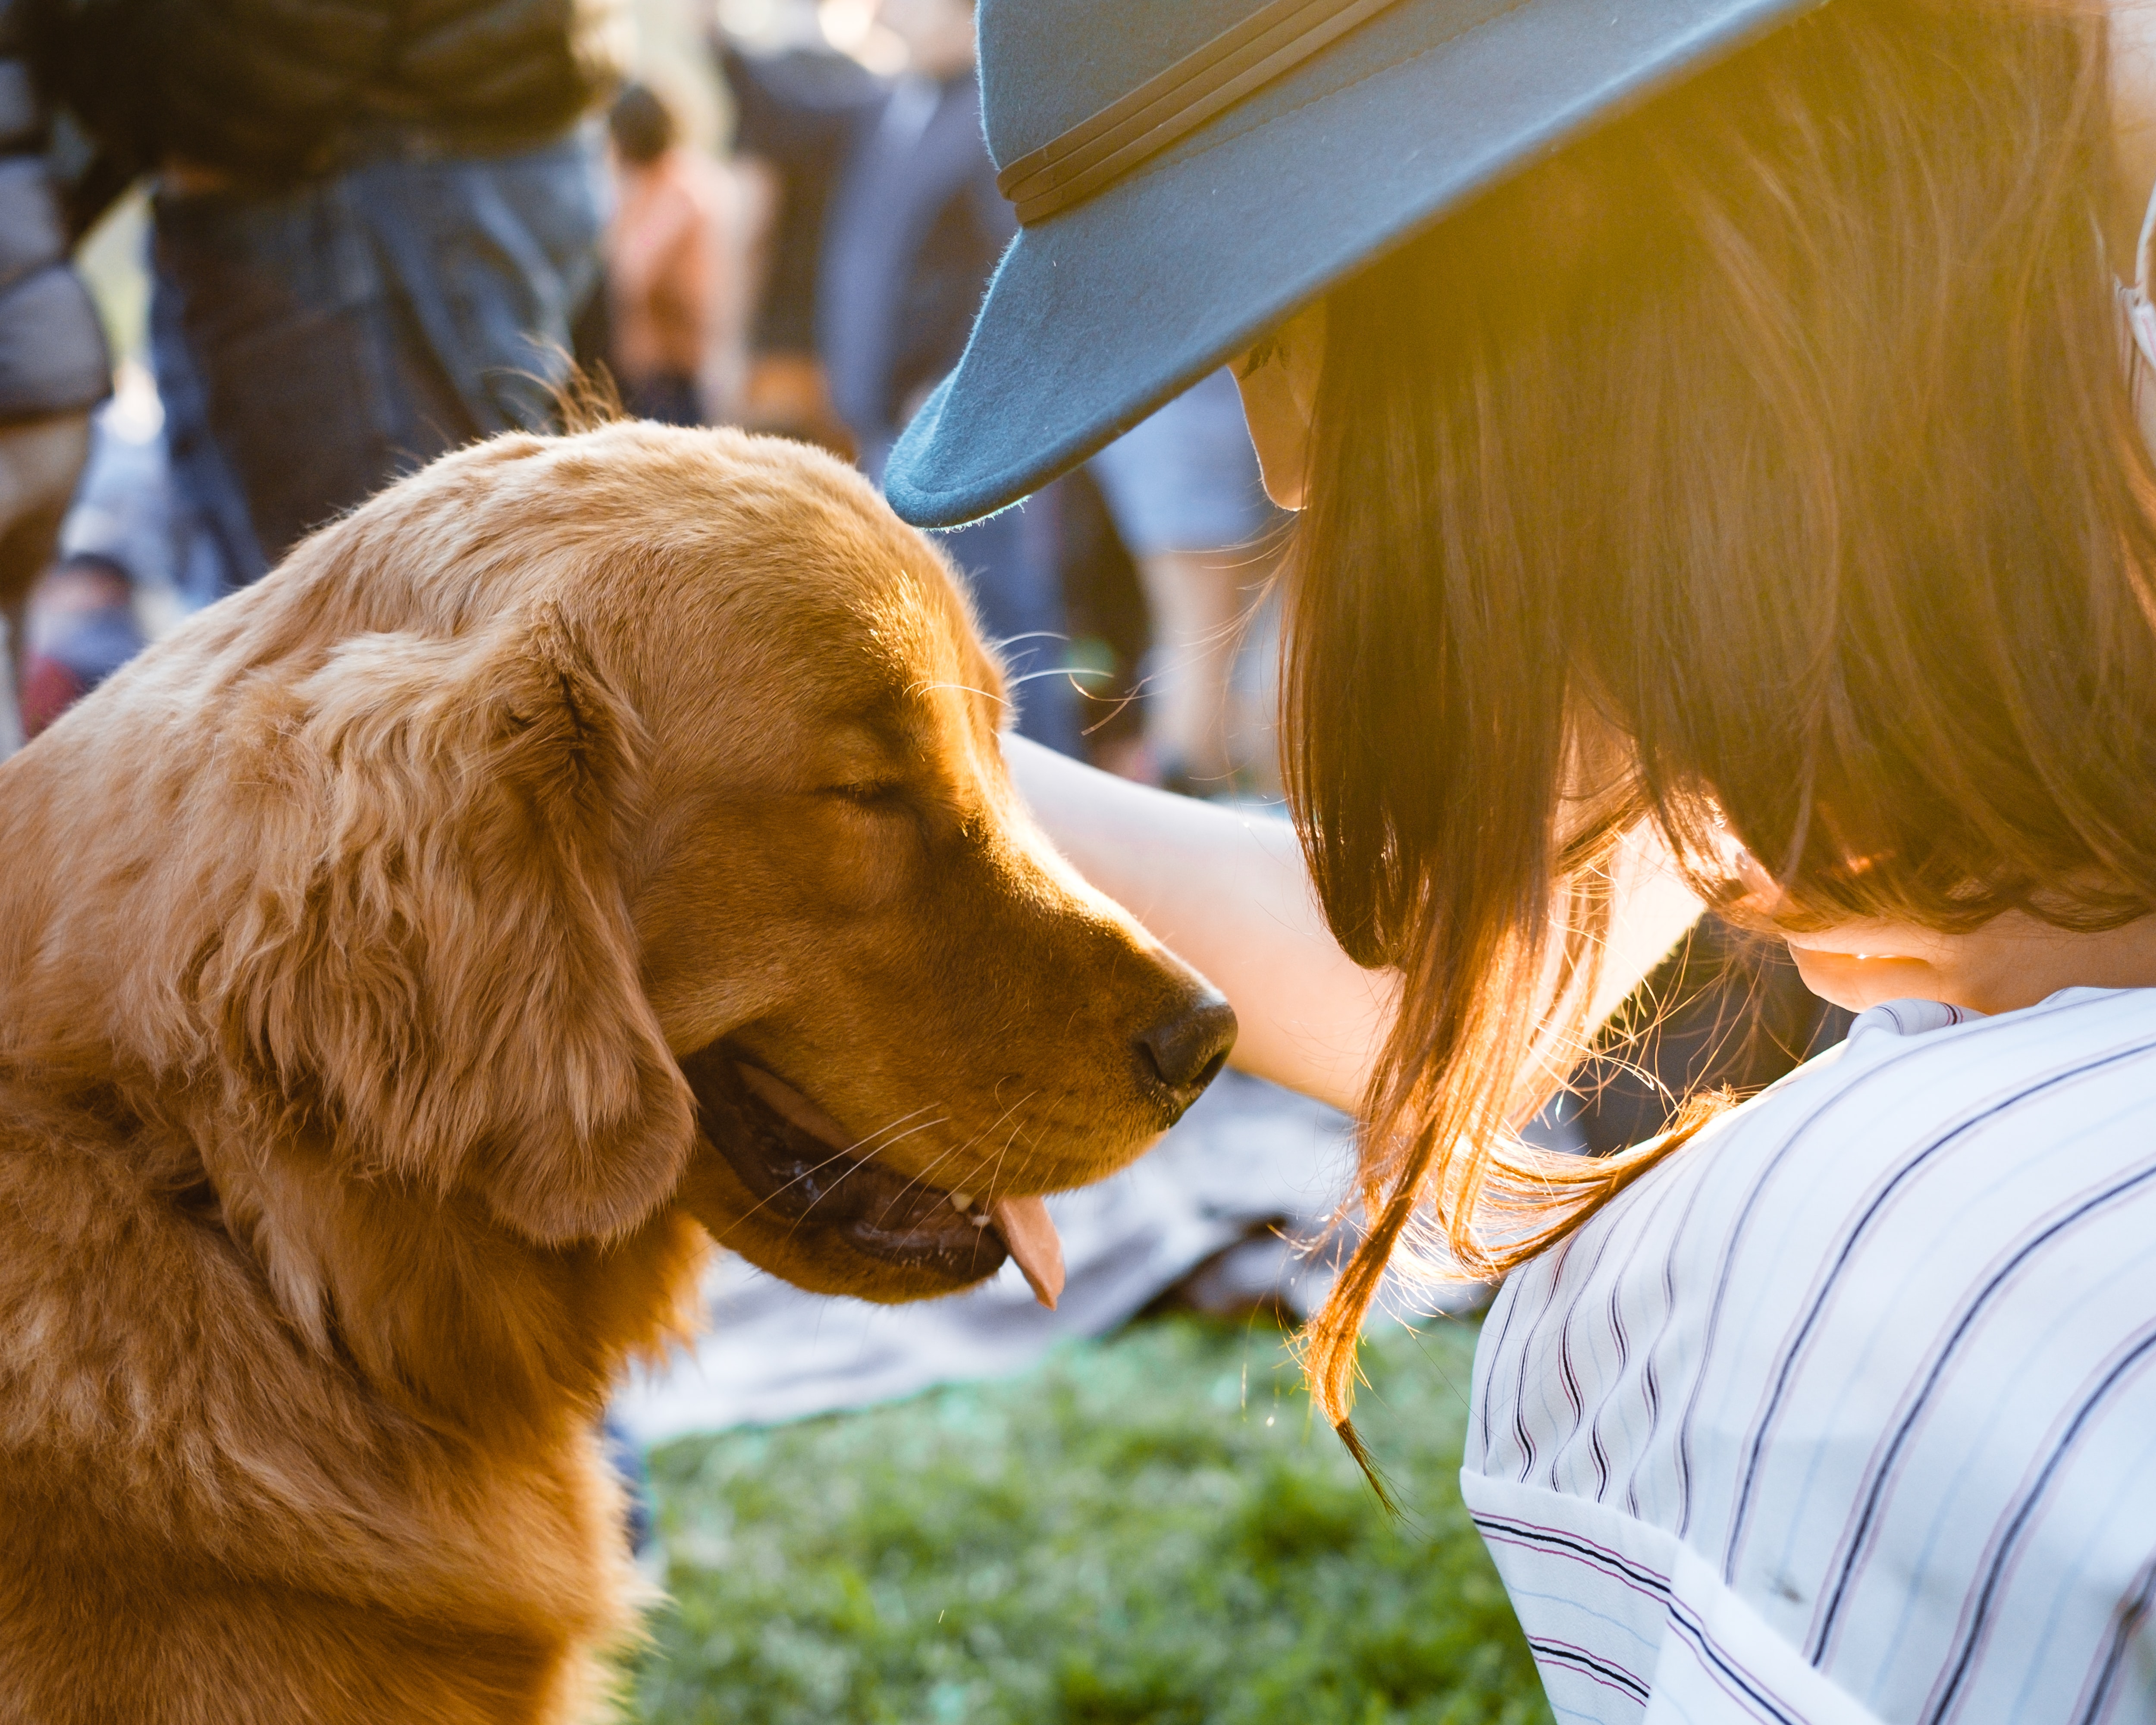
911, 227
54, 366
375, 223
797, 114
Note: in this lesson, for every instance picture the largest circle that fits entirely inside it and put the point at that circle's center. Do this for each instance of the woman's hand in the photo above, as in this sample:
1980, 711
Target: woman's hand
1228, 892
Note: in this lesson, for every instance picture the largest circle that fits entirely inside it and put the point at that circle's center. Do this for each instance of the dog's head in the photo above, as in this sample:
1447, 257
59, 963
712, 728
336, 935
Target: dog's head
620, 820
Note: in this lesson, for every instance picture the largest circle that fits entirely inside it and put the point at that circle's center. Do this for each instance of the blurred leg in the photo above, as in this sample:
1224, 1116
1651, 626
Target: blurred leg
670, 398
342, 332
83, 628
1009, 561
265, 319
204, 485
1200, 601
488, 261
1184, 491
39, 464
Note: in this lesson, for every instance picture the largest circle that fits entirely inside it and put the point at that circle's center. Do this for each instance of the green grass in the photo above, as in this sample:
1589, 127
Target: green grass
1146, 1531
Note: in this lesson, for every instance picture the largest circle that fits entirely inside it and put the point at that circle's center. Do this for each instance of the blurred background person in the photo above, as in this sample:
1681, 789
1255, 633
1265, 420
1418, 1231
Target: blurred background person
916, 227
1184, 491
133, 559
375, 226
669, 268
53, 365
911, 228
798, 102
82, 628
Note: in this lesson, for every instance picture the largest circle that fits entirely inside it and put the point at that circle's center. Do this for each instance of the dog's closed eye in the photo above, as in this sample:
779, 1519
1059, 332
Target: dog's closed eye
868, 794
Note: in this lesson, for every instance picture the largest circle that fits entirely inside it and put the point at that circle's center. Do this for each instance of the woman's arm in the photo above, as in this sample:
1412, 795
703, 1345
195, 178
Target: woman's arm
1228, 891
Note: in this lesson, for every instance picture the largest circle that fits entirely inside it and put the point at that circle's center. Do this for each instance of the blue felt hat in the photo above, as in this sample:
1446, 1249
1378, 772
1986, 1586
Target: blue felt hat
1190, 171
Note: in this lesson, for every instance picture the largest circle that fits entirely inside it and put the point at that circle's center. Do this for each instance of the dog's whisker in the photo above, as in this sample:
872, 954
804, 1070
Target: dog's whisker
995, 1174
807, 1173
871, 1142
926, 1126
999, 1119
962, 688
841, 1155
918, 1183
922, 1179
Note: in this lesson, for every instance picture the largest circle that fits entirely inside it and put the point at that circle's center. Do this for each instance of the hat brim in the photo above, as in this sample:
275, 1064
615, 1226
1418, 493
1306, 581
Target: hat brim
1098, 315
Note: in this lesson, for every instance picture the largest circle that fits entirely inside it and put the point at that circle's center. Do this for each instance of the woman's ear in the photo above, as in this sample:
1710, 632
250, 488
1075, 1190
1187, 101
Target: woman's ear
1278, 378
455, 991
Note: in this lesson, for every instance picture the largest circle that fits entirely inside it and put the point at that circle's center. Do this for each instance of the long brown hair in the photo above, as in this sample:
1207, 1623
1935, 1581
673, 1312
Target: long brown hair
1761, 467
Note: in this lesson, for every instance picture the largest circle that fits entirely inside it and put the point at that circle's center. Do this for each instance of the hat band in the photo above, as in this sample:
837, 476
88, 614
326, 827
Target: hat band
1096, 153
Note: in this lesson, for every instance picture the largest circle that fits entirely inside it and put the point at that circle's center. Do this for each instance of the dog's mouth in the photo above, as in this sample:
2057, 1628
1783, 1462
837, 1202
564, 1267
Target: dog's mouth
802, 1167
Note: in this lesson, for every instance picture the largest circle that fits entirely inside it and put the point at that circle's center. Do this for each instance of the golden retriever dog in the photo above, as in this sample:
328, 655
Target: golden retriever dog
590, 847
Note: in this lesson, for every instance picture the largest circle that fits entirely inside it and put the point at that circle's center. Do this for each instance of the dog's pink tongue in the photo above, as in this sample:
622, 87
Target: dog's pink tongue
1032, 1241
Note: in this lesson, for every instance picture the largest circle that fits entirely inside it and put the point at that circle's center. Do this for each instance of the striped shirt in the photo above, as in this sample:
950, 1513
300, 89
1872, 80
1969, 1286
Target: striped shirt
1847, 1412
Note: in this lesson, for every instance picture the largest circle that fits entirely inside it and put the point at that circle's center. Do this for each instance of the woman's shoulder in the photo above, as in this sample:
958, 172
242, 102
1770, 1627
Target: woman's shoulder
1932, 1136
1919, 1099
1852, 1205
1878, 1347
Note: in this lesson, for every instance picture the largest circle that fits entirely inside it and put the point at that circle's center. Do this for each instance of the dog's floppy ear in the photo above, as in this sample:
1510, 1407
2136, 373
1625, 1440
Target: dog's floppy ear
443, 970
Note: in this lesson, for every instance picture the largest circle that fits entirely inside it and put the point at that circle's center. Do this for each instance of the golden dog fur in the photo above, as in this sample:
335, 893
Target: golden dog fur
351, 942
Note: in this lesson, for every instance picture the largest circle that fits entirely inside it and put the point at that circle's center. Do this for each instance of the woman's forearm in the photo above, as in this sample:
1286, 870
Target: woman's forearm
1226, 891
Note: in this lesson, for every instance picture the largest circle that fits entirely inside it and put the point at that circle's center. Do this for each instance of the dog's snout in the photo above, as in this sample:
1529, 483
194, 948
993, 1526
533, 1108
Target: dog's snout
1186, 1050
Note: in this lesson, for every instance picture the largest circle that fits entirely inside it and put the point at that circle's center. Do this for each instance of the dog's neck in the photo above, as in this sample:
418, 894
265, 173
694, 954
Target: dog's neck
437, 1305
440, 1311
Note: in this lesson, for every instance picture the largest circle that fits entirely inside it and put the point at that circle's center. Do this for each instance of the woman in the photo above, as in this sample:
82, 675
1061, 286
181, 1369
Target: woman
665, 254
1711, 434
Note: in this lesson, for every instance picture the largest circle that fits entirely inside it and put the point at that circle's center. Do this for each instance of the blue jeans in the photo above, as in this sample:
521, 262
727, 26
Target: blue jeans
1010, 561
1012, 566
314, 344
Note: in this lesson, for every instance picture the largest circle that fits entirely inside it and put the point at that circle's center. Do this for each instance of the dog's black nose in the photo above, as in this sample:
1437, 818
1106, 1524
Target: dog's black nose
1187, 1050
